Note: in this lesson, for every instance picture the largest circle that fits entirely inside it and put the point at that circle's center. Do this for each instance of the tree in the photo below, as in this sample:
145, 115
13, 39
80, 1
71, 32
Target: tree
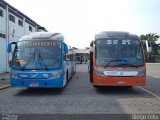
150, 37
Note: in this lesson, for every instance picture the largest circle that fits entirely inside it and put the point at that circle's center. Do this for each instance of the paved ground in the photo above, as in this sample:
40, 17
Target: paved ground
153, 70
80, 97
153, 78
4, 79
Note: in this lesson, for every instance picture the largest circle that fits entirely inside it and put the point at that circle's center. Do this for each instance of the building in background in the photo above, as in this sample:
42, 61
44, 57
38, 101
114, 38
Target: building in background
82, 55
13, 25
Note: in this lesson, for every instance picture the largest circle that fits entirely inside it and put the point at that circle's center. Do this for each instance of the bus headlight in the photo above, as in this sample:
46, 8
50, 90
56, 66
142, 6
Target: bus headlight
56, 74
99, 72
141, 72
14, 75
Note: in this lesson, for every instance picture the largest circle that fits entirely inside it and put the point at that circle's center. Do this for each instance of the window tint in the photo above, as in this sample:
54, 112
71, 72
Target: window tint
30, 28
12, 18
118, 50
20, 23
1, 13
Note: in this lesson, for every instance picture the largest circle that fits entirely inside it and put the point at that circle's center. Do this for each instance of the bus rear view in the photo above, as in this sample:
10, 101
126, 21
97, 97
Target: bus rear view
117, 60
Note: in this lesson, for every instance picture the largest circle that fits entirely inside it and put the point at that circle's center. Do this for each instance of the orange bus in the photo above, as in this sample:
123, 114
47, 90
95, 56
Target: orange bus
117, 59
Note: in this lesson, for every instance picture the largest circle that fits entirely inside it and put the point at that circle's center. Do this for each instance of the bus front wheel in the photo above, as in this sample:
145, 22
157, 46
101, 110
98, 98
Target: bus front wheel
128, 86
95, 86
67, 76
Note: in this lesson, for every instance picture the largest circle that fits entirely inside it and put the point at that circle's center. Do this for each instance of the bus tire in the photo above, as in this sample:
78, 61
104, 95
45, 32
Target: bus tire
67, 76
91, 81
91, 77
95, 86
128, 86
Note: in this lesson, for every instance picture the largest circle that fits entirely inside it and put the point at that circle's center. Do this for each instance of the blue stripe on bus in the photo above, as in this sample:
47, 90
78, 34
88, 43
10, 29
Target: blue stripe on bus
51, 83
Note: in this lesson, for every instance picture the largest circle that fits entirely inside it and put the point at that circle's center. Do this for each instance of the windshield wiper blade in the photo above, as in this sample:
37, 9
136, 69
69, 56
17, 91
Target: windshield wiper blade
46, 68
112, 61
23, 68
32, 57
130, 65
121, 64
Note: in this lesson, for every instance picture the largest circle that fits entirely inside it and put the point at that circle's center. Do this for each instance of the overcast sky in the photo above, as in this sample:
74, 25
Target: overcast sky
79, 20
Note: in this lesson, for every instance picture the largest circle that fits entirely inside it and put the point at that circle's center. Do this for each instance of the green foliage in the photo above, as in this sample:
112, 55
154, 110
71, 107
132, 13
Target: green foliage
150, 37
153, 56
149, 57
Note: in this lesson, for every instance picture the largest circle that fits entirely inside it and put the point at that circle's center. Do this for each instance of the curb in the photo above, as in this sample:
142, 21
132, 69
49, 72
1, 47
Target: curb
2, 78
4, 87
153, 63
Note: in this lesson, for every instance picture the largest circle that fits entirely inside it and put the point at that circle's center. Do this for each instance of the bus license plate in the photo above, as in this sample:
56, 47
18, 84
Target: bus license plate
121, 82
111, 73
34, 84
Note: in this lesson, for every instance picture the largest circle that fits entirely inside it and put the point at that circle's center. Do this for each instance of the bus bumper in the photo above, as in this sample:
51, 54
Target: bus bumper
34, 83
119, 81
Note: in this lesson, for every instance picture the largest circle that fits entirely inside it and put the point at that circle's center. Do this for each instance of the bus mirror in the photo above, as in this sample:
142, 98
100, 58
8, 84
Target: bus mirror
9, 48
65, 49
91, 44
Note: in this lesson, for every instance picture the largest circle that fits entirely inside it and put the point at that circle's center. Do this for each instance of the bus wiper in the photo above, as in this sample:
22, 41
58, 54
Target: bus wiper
24, 66
43, 62
130, 65
123, 63
112, 61
33, 57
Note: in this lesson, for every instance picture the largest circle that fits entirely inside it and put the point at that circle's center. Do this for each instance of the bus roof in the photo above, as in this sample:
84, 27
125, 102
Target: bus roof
43, 35
115, 34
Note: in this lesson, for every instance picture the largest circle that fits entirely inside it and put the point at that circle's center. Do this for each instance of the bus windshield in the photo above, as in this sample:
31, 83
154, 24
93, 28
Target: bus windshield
39, 54
119, 52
